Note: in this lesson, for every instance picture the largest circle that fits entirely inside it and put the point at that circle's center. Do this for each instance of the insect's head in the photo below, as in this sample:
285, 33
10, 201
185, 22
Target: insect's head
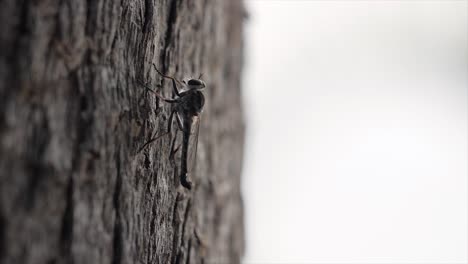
195, 84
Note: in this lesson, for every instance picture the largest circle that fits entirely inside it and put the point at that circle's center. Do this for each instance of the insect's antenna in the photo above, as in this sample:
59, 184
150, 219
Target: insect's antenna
201, 74
165, 76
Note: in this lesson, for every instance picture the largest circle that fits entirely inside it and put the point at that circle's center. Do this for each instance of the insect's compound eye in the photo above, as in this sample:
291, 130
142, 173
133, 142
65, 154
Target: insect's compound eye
194, 82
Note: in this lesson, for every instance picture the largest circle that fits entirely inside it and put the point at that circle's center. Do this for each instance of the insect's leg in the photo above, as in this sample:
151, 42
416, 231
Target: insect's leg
173, 150
174, 80
171, 117
172, 159
173, 100
154, 137
179, 122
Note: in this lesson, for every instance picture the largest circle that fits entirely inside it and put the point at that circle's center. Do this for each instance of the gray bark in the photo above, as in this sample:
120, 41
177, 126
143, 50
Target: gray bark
73, 188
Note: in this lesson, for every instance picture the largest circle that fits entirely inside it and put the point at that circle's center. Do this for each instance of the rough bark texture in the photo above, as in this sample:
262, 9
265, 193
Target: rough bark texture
73, 187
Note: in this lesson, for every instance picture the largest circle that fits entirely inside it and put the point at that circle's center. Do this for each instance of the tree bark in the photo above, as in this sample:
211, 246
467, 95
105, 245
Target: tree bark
73, 186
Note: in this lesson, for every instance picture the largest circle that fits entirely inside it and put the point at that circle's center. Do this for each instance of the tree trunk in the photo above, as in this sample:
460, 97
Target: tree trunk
73, 115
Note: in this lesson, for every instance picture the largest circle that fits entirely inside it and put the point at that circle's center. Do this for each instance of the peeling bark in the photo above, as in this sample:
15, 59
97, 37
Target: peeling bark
73, 187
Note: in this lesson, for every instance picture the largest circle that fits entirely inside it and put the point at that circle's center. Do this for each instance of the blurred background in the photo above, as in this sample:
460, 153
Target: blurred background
357, 143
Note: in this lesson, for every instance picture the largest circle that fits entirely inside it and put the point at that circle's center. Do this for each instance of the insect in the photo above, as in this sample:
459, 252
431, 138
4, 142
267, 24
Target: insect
188, 106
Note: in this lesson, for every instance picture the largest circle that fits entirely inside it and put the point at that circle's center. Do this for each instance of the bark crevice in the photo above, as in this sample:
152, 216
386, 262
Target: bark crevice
117, 245
66, 235
171, 20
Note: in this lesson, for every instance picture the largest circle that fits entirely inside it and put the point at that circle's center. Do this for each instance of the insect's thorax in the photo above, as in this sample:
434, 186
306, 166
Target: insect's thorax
192, 102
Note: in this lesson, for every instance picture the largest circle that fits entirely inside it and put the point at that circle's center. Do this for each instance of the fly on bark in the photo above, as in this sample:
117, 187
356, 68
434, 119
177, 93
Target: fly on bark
188, 105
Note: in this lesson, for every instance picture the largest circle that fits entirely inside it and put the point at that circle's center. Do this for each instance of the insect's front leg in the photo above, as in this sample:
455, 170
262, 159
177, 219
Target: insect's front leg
174, 86
168, 100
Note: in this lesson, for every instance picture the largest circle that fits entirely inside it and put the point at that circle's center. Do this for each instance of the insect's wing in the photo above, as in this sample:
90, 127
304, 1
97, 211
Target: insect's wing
193, 144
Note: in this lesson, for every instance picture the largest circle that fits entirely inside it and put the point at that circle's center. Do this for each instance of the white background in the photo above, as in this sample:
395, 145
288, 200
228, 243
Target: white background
357, 122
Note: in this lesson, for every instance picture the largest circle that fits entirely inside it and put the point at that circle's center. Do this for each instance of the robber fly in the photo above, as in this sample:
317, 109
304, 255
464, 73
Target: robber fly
188, 106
